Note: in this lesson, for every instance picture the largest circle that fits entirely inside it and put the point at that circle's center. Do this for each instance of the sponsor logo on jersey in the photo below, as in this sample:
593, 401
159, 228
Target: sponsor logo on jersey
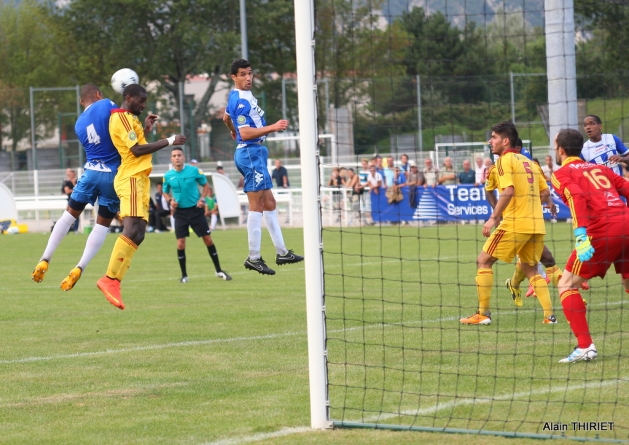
132, 136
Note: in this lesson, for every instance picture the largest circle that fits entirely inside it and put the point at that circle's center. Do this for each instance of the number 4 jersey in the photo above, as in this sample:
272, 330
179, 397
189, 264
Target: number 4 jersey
92, 129
592, 192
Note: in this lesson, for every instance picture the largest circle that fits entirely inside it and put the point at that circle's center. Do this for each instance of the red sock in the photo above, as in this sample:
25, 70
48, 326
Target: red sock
574, 310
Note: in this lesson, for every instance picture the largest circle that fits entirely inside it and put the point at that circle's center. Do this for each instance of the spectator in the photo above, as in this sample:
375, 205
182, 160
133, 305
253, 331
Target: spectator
211, 208
414, 179
374, 179
430, 173
219, 169
379, 166
467, 176
66, 187
404, 165
399, 178
549, 168
479, 170
337, 182
152, 211
364, 171
280, 175
365, 198
194, 162
488, 163
343, 175
447, 176
162, 209
353, 182
387, 173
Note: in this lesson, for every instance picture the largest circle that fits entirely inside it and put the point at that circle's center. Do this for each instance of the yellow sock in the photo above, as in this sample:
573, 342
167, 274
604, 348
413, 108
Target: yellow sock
121, 256
484, 283
518, 276
554, 273
543, 295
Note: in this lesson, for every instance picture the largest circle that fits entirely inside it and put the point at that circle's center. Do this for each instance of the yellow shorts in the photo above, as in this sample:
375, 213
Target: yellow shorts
134, 193
506, 245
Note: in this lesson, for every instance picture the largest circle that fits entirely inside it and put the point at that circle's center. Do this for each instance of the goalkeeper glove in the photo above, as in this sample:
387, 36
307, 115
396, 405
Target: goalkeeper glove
584, 248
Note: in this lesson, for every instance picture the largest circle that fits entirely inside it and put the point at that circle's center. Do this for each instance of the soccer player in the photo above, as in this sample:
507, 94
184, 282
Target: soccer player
547, 266
602, 149
132, 184
102, 161
521, 231
182, 192
600, 219
245, 120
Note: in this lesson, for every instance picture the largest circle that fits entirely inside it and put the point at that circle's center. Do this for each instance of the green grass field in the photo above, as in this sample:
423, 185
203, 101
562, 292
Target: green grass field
215, 362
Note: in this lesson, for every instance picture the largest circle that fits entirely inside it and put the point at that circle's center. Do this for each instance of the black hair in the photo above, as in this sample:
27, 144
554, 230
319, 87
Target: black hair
596, 118
177, 148
507, 129
571, 141
89, 91
133, 90
519, 143
237, 64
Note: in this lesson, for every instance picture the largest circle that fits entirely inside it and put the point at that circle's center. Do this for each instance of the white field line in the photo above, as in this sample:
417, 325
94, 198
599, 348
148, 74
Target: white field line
260, 436
425, 411
245, 339
504, 397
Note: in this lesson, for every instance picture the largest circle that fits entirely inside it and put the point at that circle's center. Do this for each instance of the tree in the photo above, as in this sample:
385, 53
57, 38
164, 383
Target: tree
28, 58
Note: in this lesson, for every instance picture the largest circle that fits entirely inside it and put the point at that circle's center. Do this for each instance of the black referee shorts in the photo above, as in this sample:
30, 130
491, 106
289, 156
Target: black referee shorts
190, 217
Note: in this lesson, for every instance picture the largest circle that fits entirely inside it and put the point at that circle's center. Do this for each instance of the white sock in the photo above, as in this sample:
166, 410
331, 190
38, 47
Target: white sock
270, 218
541, 270
58, 233
254, 230
93, 244
213, 219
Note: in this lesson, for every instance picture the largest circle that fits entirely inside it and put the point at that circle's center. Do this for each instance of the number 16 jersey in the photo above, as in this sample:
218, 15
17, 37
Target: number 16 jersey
592, 192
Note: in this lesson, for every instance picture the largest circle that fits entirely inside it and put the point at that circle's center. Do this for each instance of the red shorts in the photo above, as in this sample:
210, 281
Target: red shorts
607, 251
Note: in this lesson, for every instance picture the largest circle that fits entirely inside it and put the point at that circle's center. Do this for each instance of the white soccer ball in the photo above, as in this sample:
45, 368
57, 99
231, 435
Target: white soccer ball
122, 78
13, 230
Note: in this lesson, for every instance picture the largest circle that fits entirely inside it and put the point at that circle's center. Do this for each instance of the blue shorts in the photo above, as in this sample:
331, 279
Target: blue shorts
251, 163
96, 184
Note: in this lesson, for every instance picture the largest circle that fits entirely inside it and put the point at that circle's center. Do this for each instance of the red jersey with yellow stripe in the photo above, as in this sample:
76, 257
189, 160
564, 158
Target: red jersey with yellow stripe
592, 192
524, 212
126, 130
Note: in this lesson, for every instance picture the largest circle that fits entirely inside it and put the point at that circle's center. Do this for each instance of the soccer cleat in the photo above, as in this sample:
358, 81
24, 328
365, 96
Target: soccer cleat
585, 285
581, 354
38, 273
224, 275
259, 266
69, 281
550, 320
288, 258
476, 319
516, 294
183, 280
111, 290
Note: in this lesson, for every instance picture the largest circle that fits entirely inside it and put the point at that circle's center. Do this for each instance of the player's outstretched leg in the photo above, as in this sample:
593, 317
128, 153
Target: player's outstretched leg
283, 256
254, 230
62, 226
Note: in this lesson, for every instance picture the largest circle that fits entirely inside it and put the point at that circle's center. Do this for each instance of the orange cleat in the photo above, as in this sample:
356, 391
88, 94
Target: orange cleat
111, 290
585, 285
531, 291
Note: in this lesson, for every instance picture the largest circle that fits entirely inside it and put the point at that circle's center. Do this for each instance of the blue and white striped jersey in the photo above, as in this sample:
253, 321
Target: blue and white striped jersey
244, 111
600, 152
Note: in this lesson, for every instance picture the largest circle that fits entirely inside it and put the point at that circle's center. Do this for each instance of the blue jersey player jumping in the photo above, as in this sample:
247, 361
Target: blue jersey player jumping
245, 120
97, 182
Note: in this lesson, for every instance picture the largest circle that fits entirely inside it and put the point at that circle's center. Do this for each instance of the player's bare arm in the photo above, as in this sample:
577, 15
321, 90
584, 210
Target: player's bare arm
505, 198
616, 159
230, 125
149, 123
140, 150
249, 133
204, 193
547, 199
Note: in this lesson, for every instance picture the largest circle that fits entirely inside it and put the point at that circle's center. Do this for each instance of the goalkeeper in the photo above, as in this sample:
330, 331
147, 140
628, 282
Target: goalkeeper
600, 219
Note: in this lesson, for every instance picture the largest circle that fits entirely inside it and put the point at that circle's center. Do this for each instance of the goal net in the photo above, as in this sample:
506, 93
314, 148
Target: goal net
419, 83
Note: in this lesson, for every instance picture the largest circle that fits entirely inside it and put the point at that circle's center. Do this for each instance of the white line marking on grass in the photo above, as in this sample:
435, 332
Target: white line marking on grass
505, 397
260, 436
253, 338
